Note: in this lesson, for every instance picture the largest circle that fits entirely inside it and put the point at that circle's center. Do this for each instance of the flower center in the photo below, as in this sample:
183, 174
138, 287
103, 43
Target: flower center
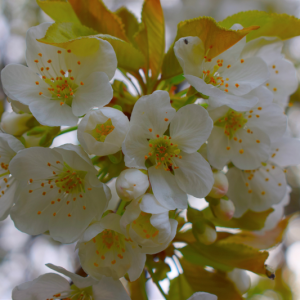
101, 131
162, 152
80, 294
143, 227
110, 245
70, 180
213, 77
232, 121
62, 89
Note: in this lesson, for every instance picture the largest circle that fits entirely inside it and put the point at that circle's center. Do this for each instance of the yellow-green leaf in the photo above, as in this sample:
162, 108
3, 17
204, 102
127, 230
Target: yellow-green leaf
94, 14
131, 24
234, 255
58, 10
216, 40
196, 279
153, 19
271, 24
78, 38
249, 221
262, 241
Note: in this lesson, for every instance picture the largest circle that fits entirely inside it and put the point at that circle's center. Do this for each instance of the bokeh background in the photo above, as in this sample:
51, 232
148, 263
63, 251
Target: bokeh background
23, 257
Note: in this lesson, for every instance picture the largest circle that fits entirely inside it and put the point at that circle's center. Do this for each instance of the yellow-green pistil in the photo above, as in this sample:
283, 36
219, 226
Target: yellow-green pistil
162, 152
232, 121
101, 131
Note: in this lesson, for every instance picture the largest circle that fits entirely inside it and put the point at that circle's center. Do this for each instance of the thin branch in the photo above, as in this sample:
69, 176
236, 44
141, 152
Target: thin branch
156, 282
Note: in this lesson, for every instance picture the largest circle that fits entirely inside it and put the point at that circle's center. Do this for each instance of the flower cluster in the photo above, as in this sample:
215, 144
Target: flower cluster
229, 145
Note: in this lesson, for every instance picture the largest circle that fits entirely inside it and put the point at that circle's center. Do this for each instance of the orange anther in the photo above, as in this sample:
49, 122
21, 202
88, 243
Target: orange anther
36, 61
39, 212
79, 63
81, 83
40, 93
37, 83
242, 60
49, 61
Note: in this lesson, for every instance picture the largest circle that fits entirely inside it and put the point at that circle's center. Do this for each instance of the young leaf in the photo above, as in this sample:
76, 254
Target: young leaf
195, 279
94, 14
131, 24
58, 10
271, 24
262, 241
216, 40
153, 19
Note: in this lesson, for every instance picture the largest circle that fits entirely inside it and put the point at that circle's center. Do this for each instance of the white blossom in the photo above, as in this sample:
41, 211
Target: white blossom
227, 79
131, 184
9, 147
244, 138
105, 250
220, 186
54, 286
283, 79
148, 224
241, 279
58, 191
203, 296
58, 85
102, 131
175, 167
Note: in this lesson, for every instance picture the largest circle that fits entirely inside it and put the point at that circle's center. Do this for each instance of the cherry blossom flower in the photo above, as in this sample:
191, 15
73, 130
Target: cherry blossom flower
241, 279
9, 146
175, 167
54, 286
58, 191
266, 186
227, 79
283, 79
244, 137
131, 184
102, 131
148, 224
105, 250
58, 85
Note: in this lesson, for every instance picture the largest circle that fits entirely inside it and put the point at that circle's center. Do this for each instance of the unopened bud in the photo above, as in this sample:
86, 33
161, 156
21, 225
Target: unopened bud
241, 279
31, 140
220, 186
15, 124
224, 210
131, 184
204, 232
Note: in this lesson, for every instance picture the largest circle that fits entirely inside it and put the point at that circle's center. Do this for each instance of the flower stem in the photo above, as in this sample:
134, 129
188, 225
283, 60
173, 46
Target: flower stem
67, 130
156, 282
121, 207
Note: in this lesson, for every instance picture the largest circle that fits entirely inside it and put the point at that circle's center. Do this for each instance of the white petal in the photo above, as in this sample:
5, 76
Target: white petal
51, 113
137, 146
194, 175
190, 54
285, 152
166, 190
7, 196
14, 144
19, 83
151, 205
139, 260
267, 48
207, 89
203, 296
270, 119
217, 153
103, 60
190, 127
33, 163
79, 281
153, 112
248, 75
109, 289
253, 149
96, 92
43, 287
283, 80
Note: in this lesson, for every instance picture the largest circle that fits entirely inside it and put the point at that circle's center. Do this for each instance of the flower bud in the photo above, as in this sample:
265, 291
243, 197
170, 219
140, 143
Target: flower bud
131, 184
204, 232
241, 279
220, 186
224, 210
15, 124
31, 140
